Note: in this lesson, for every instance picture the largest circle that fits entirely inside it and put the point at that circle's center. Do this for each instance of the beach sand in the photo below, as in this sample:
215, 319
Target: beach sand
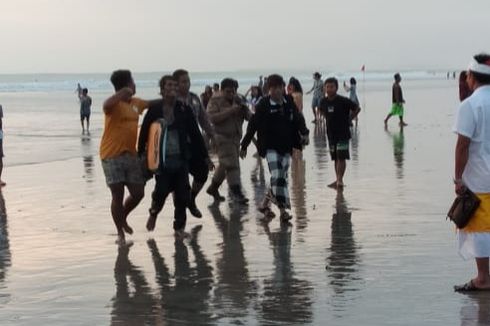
381, 253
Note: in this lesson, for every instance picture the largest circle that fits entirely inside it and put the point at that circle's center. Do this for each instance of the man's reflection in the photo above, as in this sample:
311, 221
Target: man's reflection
234, 289
355, 145
185, 297
320, 144
343, 261
5, 256
134, 303
88, 160
286, 298
398, 150
477, 311
258, 182
298, 191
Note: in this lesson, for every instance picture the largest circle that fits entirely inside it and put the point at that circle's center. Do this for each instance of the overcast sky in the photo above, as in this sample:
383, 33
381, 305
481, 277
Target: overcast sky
224, 35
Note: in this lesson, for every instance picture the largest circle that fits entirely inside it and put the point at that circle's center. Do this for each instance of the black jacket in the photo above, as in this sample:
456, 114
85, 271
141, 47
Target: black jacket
191, 141
278, 127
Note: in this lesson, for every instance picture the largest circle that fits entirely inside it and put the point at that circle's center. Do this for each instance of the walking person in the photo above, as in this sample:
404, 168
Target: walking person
198, 168
318, 95
121, 165
280, 128
472, 169
227, 112
181, 137
296, 91
85, 109
352, 90
398, 101
339, 112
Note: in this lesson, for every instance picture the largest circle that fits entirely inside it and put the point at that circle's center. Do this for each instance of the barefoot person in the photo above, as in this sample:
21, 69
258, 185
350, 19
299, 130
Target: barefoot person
339, 112
197, 167
120, 162
318, 94
280, 128
397, 108
182, 143
85, 108
472, 169
227, 112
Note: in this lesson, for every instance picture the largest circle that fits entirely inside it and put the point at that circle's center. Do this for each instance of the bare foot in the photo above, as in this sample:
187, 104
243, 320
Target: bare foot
127, 228
333, 185
150, 224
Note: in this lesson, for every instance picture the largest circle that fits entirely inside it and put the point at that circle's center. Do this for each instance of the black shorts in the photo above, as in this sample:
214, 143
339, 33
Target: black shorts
84, 116
339, 149
199, 170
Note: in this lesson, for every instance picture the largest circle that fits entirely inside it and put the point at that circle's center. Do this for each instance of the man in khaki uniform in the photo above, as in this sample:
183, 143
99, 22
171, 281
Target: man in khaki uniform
227, 111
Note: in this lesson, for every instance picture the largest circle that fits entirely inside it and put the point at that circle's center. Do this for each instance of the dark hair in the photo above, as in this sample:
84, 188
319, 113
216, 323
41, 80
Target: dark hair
259, 92
179, 73
317, 75
275, 80
121, 79
293, 81
332, 80
85, 91
462, 76
397, 76
216, 85
164, 80
353, 81
229, 83
483, 79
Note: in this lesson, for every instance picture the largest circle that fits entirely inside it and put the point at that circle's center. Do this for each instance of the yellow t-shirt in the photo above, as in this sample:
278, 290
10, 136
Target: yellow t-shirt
121, 128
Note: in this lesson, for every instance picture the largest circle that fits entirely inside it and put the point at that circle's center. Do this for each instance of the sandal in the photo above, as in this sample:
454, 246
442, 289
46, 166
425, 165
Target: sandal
469, 287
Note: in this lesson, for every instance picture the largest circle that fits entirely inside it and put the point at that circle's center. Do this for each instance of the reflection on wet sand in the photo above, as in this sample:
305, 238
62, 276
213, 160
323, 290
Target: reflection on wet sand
477, 311
298, 191
398, 150
88, 160
343, 260
134, 303
258, 182
320, 144
286, 299
186, 298
355, 145
234, 290
5, 256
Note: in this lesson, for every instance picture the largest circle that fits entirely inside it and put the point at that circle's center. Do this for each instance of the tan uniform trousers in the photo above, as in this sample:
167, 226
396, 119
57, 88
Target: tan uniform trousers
228, 151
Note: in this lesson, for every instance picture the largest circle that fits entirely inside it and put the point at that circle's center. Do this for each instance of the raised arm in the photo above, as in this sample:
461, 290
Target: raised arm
123, 94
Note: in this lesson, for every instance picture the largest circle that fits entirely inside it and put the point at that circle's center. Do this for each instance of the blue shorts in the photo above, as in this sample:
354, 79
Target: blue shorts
315, 102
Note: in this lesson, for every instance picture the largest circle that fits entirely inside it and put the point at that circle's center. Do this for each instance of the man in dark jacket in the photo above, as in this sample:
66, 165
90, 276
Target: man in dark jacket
180, 138
280, 128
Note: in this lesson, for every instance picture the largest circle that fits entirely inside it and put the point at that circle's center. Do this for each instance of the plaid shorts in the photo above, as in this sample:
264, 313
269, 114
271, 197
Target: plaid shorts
126, 168
339, 150
279, 167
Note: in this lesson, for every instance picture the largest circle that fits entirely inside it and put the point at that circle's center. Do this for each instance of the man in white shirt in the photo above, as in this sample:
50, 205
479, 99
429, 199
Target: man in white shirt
472, 169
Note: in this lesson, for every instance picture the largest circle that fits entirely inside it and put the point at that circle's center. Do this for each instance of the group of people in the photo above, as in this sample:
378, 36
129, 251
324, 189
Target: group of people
192, 126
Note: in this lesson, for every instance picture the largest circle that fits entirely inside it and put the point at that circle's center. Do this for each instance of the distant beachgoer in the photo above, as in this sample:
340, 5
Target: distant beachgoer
296, 91
255, 96
261, 83
121, 165
397, 100
280, 128
464, 89
318, 94
206, 96
352, 90
2, 183
198, 167
265, 87
182, 145
85, 109
215, 89
227, 113
339, 112
472, 170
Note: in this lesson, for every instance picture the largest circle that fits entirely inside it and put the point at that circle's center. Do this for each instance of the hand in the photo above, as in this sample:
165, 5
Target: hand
305, 140
459, 188
243, 153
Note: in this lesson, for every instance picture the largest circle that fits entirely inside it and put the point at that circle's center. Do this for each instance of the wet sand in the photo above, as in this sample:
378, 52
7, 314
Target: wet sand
380, 253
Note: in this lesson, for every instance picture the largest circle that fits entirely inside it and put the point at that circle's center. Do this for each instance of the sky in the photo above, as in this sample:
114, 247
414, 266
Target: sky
86, 36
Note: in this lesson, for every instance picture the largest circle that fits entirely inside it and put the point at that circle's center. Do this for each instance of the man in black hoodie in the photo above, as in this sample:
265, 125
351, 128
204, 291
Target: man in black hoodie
280, 128
180, 138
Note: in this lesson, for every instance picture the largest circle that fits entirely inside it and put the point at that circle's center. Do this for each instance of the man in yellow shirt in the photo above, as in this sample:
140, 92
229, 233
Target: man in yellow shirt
121, 165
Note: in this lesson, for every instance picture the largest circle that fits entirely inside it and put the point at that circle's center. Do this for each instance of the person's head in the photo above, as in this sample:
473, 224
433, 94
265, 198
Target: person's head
260, 78
256, 92
397, 77
208, 89
215, 87
181, 76
353, 81
276, 87
317, 75
331, 86
294, 85
168, 87
228, 88
479, 71
85, 91
121, 79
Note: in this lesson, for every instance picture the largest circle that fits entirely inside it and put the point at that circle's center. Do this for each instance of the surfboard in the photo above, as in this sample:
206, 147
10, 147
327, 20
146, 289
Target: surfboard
154, 144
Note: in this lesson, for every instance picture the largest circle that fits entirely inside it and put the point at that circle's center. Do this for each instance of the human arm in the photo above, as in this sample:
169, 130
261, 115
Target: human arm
218, 115
198, 146
251, 130
123, 95
461, 159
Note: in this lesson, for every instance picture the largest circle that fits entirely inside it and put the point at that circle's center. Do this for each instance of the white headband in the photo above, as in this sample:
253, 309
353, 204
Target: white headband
479, 67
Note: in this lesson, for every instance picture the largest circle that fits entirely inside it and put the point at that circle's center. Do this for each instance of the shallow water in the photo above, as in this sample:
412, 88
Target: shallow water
380, 253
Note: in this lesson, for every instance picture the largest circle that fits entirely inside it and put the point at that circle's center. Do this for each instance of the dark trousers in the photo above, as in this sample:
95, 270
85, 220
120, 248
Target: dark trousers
178, 183
199, 170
